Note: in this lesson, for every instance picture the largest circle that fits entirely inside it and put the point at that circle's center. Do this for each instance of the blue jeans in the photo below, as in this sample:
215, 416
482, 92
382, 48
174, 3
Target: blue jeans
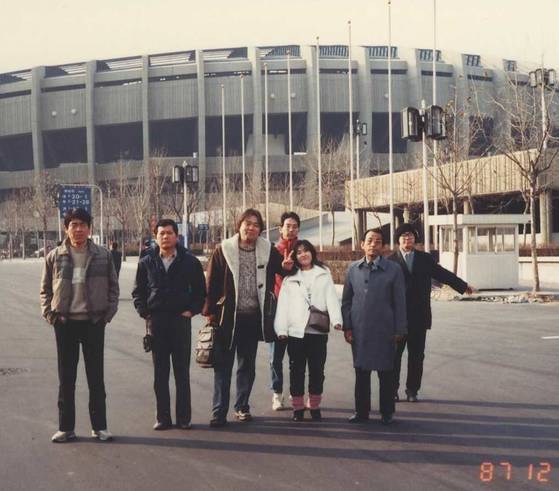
277, 353
245, 345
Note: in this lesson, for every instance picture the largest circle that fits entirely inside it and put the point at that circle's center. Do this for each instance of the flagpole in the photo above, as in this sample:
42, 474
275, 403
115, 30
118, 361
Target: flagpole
319, 145
266, 163
351, 177
390, 152
435, 144
224, 185
243, 139
289, 130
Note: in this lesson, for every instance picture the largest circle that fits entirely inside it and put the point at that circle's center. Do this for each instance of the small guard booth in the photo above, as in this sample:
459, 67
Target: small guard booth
487, 245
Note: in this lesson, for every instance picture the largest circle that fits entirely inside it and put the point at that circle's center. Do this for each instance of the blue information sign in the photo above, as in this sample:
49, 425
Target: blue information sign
71, 197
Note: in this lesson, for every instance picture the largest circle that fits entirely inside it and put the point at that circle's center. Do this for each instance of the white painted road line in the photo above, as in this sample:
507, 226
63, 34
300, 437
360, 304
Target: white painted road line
550, 337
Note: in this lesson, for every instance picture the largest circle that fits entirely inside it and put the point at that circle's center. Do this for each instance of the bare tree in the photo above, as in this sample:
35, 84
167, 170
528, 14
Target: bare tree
460, 157
44, 202
139, 199
525, 145
118, 193
334, 160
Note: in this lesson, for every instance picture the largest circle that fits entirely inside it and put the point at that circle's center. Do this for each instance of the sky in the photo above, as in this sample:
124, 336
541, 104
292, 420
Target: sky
52, 32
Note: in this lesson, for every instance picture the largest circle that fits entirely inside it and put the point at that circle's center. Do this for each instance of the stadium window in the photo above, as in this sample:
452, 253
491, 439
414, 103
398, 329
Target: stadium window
380, 134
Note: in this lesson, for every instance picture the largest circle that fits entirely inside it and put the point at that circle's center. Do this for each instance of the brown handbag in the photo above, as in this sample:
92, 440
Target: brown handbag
318, 320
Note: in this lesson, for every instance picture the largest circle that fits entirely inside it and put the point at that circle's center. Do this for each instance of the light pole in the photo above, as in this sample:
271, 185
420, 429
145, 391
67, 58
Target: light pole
390, 150
186, 174
289, 129
243, 139
418, 125
266, 162
544, 78
435, 162
224, 184
351, 177
319, 146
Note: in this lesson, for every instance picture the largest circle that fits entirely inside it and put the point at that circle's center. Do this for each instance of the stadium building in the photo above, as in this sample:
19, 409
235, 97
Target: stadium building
77, 120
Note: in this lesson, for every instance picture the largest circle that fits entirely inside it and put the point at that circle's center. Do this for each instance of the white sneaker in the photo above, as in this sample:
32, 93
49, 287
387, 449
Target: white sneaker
103, 435
63, 436
277, 402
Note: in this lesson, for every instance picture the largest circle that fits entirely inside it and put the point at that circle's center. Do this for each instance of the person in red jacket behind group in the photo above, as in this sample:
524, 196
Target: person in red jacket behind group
289, 230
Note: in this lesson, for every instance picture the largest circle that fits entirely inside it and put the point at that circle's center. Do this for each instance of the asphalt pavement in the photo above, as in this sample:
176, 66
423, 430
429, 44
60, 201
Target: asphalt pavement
488, 416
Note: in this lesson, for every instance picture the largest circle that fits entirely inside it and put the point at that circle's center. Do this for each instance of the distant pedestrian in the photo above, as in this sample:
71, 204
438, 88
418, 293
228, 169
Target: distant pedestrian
309, 284
374, 313
79, 296
419, 268
146, 248
117, 257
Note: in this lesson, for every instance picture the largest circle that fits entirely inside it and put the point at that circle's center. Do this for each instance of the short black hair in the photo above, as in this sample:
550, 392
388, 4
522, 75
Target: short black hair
77, 214
166, 222
292, 215
114, 245
250, 212
406, 228
376, 230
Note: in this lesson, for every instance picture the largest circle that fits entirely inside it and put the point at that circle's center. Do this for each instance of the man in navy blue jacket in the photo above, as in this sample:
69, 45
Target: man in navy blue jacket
419, 268
170, 289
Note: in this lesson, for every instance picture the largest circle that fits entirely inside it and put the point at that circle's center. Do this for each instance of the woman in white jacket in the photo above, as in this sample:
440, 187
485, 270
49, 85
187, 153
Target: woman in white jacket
310, 284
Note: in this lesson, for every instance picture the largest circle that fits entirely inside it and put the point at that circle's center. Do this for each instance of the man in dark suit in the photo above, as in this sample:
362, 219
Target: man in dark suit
419, 268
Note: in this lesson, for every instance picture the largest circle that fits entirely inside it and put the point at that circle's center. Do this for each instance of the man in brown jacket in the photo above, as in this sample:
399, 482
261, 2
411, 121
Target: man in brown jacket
79, 296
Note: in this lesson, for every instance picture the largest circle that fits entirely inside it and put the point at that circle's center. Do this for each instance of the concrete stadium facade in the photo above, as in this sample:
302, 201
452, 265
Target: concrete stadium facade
77, 120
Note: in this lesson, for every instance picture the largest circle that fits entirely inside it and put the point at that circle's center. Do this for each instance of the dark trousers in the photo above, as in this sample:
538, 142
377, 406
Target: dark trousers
415, 342
171, 341
91, 336
245, 345
363, 392
310, 350
277, 354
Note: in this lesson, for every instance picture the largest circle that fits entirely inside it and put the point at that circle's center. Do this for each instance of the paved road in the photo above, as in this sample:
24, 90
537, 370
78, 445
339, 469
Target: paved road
490, 395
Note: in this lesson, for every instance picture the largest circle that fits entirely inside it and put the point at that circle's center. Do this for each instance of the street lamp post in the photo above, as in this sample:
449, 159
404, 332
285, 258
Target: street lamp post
186, 174
418, 125
243, 140
289, 129
351, 177
224, 184
319, 146
266, 160
544, 78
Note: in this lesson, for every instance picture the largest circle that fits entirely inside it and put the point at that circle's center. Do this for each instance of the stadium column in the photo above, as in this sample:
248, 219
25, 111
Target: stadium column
257, 138
308, 53
201, 91
37, 74
365, 108
145, 110
90, 69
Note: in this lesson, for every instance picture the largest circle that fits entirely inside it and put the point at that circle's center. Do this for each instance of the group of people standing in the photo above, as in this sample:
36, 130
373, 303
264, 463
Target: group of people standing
253, 291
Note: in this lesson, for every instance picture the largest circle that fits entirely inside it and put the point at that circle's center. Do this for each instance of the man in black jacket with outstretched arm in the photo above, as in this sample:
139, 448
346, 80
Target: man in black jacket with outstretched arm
419, 268
169, 290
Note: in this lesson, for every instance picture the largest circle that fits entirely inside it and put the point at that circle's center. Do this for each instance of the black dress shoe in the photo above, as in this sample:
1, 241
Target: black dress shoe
316, 415
387, 419
162, 425
184, 425
411, 397
358, 418
217, 422
299, 415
